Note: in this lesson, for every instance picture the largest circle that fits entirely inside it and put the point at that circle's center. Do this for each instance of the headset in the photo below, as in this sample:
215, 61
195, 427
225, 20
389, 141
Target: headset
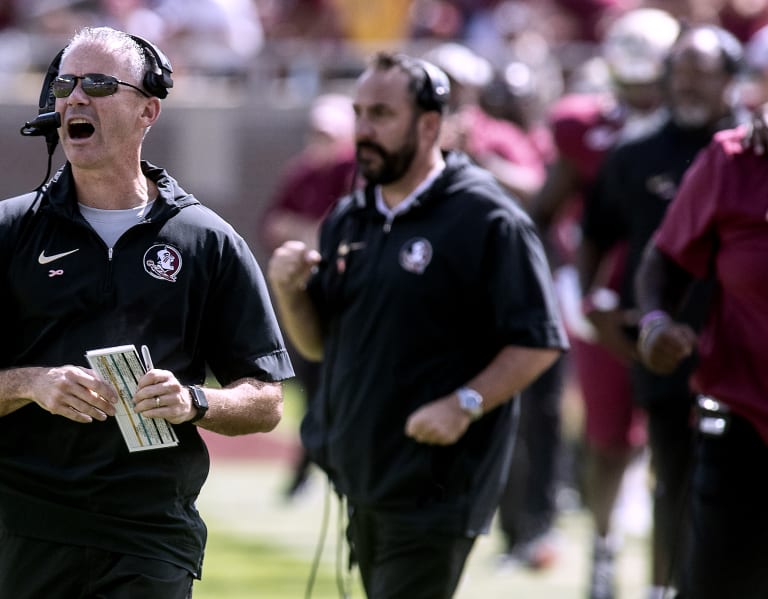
157, 84
434, 87
48, 120
436, 91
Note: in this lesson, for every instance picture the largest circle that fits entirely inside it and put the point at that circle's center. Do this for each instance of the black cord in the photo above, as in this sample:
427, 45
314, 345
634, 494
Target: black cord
341, 585
40, 187
320, 542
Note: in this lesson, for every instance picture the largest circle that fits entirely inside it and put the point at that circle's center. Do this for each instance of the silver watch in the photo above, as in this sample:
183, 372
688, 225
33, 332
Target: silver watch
470, 401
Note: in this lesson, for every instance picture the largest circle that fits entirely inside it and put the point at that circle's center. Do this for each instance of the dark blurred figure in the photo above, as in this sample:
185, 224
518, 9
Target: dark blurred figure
528, 506
585, 126
313, 180
638, 180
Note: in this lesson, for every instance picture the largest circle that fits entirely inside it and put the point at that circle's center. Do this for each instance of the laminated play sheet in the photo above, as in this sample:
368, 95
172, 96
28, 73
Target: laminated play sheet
121, 367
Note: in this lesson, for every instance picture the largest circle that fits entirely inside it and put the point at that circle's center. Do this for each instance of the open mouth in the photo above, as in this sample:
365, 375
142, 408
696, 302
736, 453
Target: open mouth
79, 129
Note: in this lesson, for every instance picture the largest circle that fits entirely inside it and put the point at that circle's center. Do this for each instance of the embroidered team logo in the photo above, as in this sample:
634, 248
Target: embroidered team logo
662, 185
163, 262
416, 255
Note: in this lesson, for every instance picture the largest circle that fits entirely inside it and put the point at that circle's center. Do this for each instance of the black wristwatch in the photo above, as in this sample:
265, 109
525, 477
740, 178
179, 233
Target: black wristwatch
199, 400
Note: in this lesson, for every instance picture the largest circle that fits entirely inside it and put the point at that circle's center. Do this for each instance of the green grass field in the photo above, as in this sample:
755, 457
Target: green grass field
241, 568
262, 547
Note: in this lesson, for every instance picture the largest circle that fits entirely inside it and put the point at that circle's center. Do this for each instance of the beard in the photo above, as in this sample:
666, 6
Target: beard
391, 166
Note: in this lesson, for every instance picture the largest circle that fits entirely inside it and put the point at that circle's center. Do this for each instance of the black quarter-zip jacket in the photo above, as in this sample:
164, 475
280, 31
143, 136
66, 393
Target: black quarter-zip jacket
413, 308
64, 293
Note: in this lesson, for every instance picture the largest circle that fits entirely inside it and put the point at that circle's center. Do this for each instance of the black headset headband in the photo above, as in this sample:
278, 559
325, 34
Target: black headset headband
436, 90
157, 84
434, 87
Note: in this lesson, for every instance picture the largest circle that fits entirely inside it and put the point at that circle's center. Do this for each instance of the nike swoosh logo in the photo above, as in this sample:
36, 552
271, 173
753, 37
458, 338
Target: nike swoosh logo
43, 259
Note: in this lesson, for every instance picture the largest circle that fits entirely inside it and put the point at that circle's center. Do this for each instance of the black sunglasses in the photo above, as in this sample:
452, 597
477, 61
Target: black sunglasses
96, 85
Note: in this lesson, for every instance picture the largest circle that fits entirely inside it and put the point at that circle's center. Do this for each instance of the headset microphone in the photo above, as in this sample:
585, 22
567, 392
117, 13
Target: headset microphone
43, 124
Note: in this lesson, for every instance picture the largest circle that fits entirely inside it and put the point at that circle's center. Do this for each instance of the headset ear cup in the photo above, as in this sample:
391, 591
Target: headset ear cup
153, 83
47, 101
156, 84
436, 90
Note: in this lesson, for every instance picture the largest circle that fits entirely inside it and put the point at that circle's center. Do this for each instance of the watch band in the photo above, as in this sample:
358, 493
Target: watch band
197, 395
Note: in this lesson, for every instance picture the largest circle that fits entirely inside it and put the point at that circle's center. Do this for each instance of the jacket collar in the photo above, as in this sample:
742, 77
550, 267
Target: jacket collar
60, 192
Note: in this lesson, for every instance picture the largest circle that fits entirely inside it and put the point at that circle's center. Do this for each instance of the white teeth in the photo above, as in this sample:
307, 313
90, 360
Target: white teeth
78, 121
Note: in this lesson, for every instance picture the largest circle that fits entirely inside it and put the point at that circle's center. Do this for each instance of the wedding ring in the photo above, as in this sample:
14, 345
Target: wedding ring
157, 402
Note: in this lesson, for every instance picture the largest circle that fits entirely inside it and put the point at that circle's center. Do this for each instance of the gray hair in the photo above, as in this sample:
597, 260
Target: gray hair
115, 42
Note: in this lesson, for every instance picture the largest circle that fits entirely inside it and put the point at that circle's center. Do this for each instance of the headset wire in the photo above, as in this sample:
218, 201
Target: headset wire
320, 542
341, 583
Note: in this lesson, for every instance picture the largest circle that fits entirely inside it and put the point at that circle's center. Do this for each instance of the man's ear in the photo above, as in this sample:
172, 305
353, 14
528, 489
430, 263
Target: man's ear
151, 111
430, 123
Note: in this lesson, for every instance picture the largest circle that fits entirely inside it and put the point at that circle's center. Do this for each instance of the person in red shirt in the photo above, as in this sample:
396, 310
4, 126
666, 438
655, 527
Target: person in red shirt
717, 227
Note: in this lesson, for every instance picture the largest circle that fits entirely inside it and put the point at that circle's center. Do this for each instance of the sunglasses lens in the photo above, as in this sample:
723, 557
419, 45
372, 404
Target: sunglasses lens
63, 86
94, 84
99, 85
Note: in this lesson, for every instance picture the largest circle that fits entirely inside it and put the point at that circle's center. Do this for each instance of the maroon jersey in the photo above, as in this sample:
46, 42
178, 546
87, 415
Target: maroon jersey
718, 224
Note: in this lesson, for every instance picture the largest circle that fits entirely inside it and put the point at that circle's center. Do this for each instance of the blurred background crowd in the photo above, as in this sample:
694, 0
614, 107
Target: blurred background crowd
316, 41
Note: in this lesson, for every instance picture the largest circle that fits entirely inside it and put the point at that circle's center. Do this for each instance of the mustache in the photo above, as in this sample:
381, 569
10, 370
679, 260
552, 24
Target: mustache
367, 145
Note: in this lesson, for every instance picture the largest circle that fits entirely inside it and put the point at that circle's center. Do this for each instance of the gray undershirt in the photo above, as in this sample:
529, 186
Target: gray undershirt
111, 224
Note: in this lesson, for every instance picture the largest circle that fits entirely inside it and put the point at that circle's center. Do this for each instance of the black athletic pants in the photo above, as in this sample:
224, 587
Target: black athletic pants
671, 439
729, 509
398, 561
34, 569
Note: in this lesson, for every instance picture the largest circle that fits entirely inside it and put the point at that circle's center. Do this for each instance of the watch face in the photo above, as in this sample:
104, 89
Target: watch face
199, 401
471, 402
